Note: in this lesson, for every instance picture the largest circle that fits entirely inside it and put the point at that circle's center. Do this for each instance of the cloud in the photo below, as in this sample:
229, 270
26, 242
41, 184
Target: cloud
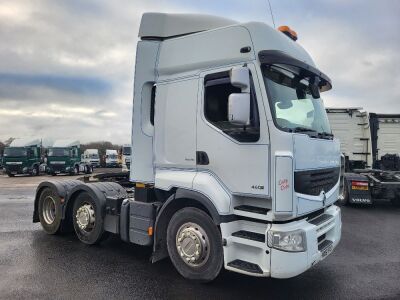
66, 67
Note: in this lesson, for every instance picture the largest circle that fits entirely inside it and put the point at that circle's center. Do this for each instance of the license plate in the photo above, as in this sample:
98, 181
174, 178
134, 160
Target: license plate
327, 250
14, 173
360, 188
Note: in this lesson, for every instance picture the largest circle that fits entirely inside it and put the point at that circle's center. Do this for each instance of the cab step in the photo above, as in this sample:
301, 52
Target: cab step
245, 266
258, 237
252, 209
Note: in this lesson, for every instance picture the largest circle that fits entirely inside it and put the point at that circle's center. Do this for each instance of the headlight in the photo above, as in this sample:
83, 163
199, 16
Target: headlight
290, 241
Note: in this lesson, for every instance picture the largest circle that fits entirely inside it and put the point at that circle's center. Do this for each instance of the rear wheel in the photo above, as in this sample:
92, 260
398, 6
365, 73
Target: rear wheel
35, 171
87, 220
10, 175
50, 211
195, 245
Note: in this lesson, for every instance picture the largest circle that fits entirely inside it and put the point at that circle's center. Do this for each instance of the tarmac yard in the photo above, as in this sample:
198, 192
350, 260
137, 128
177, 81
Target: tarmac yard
33, 265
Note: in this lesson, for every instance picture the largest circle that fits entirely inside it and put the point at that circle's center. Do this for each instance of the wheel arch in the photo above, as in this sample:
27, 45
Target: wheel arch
99, 191
61, 188
180, 199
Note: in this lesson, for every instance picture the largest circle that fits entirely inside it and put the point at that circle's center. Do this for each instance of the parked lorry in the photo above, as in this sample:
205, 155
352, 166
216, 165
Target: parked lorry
234, 165
91, 157
126, 151
23, 156
64, 157
111, 158
371, 146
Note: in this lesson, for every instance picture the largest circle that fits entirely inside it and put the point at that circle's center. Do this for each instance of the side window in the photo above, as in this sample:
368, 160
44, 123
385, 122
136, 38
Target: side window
217, 88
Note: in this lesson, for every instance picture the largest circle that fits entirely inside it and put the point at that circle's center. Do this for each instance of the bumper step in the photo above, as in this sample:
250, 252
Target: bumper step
252, 209
324, 245
321, 219
245, 266
258, 237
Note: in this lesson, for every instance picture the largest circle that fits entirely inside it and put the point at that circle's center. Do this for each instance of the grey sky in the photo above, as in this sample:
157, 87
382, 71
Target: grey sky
66, 67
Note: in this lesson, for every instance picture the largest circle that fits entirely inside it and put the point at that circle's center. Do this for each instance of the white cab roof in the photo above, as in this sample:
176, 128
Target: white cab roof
25, 142
162, 25
92, 151
111, 151
66, 143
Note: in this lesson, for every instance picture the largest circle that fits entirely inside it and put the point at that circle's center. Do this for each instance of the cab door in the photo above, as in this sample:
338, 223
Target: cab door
236, 156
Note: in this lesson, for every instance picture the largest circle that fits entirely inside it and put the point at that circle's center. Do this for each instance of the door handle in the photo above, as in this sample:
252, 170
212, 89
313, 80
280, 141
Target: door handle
202, 158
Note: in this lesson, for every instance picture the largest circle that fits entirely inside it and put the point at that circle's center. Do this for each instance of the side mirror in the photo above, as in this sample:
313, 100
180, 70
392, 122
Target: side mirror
239, 108
239, 104
240, 78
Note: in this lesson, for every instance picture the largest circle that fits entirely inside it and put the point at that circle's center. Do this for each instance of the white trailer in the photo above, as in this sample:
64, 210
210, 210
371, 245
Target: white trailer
371, 146
233, 166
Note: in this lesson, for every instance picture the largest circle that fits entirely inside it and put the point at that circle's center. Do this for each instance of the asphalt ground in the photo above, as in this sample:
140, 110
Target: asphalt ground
34, 265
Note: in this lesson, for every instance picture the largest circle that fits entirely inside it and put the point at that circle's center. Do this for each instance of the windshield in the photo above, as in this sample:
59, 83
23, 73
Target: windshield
16, 152
127, 151
293, 107
59, 152
94, 156
111, 156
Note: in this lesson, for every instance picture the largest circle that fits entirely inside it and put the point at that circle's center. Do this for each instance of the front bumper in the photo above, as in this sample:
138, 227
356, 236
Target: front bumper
15, 169
322, 234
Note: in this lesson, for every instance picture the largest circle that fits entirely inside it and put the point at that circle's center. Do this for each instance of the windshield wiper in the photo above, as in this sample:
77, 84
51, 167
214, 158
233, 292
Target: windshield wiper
325, 135
303, 129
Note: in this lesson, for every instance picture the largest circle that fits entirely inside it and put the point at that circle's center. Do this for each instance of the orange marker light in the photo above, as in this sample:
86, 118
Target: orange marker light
289, 32
150, 231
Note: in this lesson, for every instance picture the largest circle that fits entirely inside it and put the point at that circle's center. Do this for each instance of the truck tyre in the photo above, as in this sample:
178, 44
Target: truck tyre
35, 171
76, 170
50, 213
87, 219
396, 201
10, 175
195, 245
88, 169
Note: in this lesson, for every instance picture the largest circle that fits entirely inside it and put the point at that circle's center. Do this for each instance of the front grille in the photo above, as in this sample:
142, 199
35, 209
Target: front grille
14, 168
58, 168
315, 181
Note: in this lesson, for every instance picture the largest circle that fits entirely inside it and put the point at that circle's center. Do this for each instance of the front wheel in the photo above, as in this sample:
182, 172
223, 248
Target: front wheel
87, 220
195, 245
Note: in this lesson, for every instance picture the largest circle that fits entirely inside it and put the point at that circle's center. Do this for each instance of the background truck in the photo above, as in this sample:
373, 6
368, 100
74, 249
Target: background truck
23, 156
91, 157
64, 157
234, 164
111, 159
126, 151
371, 147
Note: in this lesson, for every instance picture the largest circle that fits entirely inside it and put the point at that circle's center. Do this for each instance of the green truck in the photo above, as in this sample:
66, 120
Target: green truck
23, 156
64, 157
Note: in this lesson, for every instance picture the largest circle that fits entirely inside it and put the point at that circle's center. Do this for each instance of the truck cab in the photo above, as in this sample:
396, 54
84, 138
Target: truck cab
111, 158
23, 156
64, 158
233, 164
91, 156
126, 151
